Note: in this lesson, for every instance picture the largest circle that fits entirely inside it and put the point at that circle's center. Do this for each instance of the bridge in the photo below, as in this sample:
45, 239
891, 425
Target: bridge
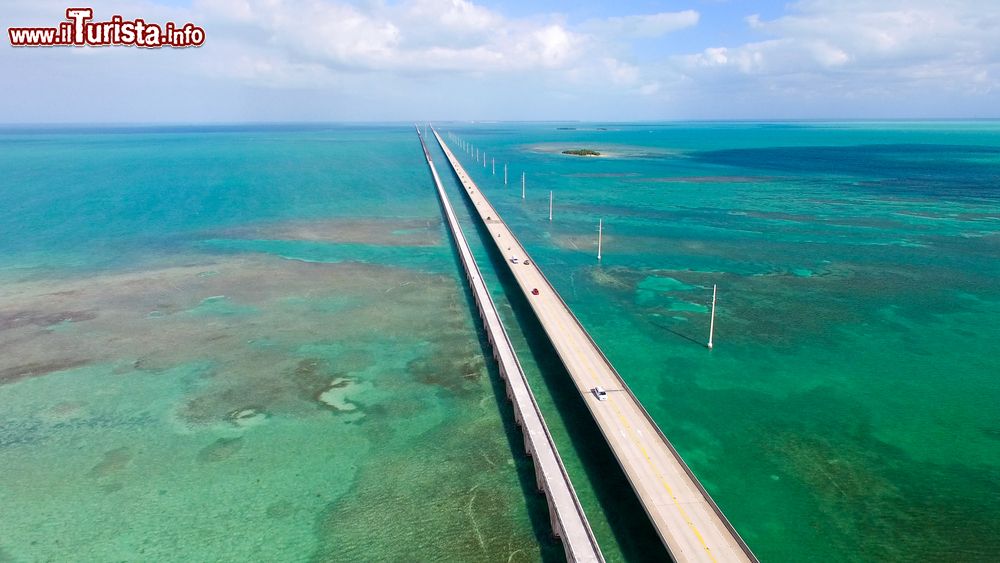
569, 523
690, 524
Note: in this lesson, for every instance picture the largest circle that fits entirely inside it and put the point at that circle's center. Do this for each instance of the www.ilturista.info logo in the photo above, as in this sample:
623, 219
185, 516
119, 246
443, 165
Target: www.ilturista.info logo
79, 31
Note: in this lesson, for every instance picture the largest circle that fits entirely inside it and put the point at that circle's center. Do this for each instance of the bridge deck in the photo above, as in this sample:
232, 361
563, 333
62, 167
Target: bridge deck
689, 523
566, 514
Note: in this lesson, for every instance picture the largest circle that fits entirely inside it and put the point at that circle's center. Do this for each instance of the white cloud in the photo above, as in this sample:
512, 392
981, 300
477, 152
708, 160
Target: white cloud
893, 35
550, 46
428, 36
462, 56
457, 15
651, 25
363, 48
856, 49
619, 72
650, 89
413, 36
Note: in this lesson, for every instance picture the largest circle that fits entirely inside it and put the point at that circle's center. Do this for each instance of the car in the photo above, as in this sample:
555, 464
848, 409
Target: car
600, 393
527, 262
534, 291
513, 259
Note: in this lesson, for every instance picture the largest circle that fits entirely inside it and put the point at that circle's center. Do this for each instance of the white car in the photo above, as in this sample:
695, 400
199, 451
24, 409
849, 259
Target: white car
513, 259
600, 393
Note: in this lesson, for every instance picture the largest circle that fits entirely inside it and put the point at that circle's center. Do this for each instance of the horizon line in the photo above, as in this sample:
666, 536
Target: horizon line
409, 122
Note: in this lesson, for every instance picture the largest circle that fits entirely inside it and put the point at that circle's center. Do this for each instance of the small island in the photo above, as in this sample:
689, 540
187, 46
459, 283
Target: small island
582, 152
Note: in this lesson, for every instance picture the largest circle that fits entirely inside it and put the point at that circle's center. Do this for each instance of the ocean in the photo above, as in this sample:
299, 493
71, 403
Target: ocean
253, 342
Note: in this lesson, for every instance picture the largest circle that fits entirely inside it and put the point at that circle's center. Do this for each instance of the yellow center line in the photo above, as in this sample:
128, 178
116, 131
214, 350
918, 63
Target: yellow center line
574, 330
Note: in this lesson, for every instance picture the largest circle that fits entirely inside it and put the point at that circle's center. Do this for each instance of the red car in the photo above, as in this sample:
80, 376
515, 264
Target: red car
534, 291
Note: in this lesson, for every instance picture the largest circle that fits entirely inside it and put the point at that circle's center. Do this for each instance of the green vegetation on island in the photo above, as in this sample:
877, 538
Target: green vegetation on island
582, 152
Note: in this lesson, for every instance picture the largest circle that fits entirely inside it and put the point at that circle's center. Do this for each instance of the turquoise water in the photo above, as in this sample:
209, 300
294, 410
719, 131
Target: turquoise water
849, 408
253, 342
244, 344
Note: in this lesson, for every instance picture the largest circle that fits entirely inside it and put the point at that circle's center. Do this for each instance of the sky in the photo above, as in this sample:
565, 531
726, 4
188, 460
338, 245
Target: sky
591, 60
